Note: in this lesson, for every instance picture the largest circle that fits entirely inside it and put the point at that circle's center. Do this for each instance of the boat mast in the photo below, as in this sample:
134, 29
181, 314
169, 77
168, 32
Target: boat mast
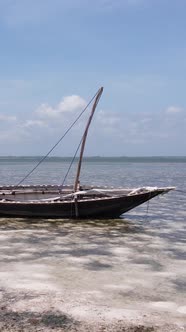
85, 136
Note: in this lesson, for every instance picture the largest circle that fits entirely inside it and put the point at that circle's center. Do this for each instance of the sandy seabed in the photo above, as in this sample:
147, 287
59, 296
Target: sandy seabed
92, 276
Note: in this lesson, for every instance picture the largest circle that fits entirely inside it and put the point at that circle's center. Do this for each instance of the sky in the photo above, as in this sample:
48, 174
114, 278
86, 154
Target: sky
55, 55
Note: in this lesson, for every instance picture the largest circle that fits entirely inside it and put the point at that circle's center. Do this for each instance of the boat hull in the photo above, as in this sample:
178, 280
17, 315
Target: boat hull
107, 207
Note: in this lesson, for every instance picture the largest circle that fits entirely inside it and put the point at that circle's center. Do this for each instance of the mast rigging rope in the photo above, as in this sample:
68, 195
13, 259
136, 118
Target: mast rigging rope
66, 132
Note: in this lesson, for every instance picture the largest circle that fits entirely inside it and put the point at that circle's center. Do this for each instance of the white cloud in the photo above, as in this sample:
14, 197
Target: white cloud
115, 132
174, 110
107, 122
105, 118
34, 123
67, 105
44, 110
71, 103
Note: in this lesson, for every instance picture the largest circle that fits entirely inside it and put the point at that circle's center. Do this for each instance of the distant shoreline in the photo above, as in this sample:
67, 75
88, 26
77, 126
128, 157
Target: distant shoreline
173, 159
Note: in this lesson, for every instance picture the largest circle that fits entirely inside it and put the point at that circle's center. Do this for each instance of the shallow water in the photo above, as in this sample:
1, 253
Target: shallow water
120, 269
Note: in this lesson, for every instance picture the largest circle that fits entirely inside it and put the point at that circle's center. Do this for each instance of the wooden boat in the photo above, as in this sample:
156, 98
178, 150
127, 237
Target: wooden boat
48, 202
52, 201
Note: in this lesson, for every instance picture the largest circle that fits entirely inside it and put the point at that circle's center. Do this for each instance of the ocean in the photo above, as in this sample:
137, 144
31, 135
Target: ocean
131, 269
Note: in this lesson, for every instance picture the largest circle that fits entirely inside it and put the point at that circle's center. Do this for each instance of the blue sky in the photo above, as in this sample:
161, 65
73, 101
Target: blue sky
55, 54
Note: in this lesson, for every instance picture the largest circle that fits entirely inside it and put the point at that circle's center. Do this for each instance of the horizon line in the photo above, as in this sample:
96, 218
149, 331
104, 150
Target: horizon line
93, 156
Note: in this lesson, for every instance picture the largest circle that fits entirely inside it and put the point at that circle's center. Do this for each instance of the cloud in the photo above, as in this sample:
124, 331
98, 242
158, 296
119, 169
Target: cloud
174, 110
106, 118
67, 105
107, 121
39, 130
34, 123
141, 128
44, 110
71, 103
112, 132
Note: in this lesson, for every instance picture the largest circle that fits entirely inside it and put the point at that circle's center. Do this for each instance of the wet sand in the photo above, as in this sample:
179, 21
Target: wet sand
117, 275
